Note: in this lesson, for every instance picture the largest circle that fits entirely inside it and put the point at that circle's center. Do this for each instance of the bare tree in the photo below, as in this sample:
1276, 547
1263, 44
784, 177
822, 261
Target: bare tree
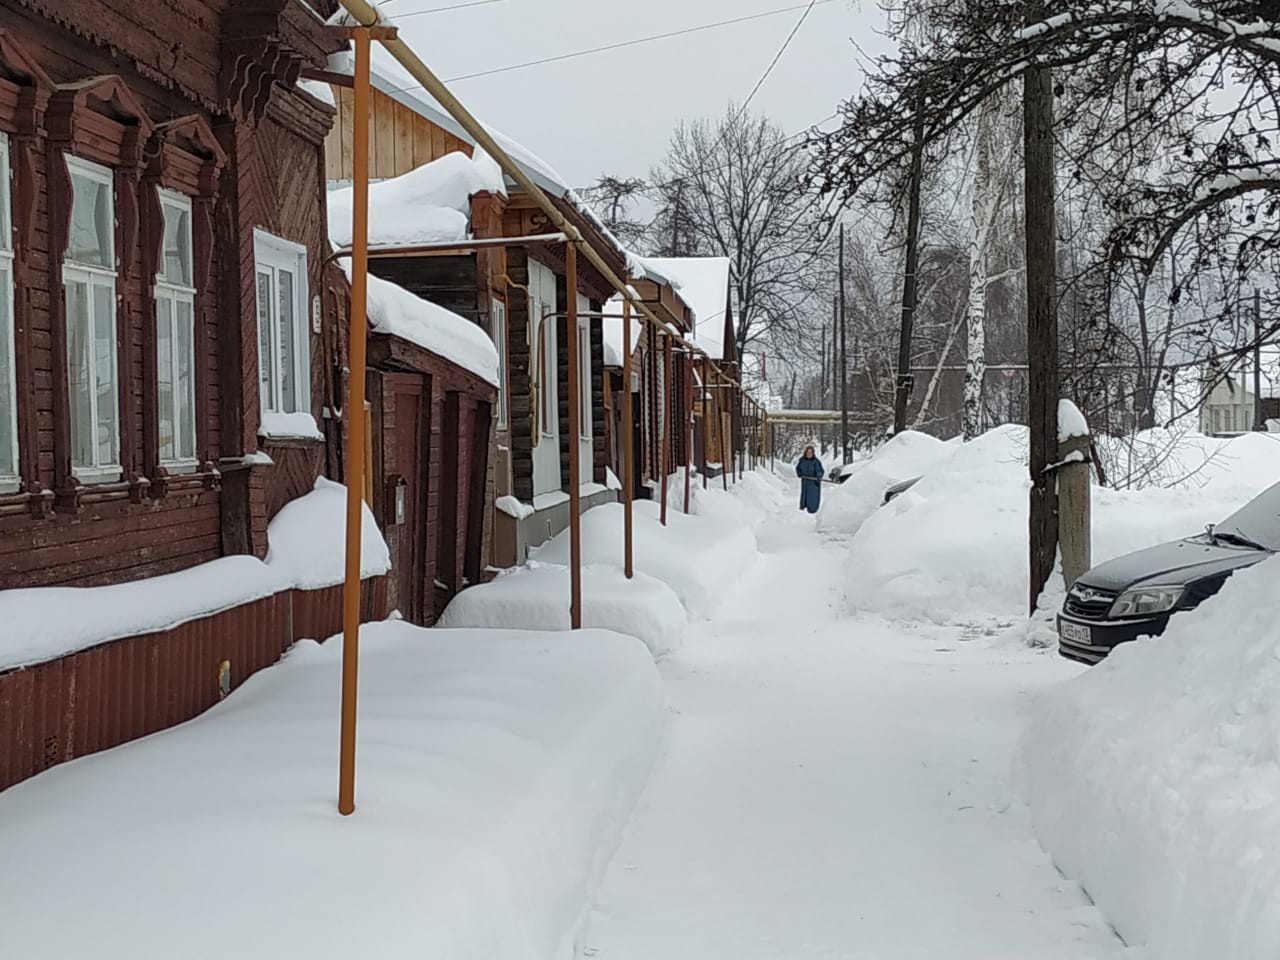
614, 199
735, 188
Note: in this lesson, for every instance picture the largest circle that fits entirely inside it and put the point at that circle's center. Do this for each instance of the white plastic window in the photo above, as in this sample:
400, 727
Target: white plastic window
498, 316
89, 282
175, 336
284, 345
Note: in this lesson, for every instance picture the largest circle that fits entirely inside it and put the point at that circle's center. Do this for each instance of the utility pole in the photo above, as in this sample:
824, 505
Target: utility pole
844, 362
905, 379
1042, 320
1259, 418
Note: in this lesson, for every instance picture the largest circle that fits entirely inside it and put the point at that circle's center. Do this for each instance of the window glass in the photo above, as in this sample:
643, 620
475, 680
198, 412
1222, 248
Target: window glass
176, 261
91, 240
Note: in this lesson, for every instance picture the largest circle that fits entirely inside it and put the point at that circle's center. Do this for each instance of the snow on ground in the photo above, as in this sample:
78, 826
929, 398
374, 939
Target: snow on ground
699, 557
495, 770
837, 788
305, 552
1155, 779
952, 548
536, 597
908, 455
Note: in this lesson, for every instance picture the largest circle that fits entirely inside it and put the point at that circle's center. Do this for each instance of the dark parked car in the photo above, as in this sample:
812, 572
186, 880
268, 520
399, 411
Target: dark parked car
901, 487
1135, 595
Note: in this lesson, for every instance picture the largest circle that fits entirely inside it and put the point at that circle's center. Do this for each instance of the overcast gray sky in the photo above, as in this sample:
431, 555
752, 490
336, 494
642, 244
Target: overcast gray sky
614, 111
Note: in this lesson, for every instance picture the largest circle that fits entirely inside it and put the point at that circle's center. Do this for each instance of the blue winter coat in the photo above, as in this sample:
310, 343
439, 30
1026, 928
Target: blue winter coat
810, 473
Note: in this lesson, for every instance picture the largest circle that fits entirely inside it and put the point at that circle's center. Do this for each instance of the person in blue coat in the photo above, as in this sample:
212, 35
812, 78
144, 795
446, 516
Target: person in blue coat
810, 472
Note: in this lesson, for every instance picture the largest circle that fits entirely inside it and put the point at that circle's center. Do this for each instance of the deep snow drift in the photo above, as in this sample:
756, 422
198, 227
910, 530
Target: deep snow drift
696, 556
536, 597
952, 549
495, 771
1155, 779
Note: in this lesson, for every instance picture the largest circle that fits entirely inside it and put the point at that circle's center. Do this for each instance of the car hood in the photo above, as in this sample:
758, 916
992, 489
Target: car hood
1179, 562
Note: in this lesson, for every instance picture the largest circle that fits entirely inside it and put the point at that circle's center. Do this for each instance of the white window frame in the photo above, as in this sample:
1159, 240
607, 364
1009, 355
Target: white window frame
9, 481
95, 275
275, 255
175, 294
498, 320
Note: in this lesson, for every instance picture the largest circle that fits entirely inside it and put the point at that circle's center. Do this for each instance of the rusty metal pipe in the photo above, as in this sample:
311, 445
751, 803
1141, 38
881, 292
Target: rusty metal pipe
628, 447
575, 442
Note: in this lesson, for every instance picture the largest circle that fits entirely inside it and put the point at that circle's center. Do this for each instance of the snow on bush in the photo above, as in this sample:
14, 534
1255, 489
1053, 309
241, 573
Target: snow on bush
953, 548
495, 772
307, 540
906, 456
1154, 779
698, 557
536, 597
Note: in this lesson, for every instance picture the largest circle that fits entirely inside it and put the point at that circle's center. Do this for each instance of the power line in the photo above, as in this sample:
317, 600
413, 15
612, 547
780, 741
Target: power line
624, 43
456, 6
783, 49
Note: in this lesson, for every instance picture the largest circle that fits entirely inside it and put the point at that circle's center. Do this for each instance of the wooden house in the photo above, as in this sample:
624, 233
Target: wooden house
516, 292
169, 354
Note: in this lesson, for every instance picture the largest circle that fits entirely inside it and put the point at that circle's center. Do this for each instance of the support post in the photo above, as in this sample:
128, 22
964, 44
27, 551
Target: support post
355, 425
687, 415
1042, 325
706, 426
1259, 418
1074, 532
628, 447
575, 444
668, 385
844, 362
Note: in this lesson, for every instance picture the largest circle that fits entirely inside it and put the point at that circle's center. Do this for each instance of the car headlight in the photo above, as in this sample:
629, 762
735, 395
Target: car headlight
1146, 601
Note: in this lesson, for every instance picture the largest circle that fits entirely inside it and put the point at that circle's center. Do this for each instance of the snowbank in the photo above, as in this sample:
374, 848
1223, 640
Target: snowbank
399, 313
429, 204
495, 772
307, 540
1154, 778
953, 547
698, 557
305, 552
536, 597
908, 455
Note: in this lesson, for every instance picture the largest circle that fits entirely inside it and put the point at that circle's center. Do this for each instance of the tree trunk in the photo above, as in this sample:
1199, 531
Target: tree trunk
1042, 323
902, 392
985, 204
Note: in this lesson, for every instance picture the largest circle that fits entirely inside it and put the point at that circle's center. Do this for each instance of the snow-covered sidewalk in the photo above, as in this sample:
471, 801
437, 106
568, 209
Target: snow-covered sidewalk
495, 770
838, 789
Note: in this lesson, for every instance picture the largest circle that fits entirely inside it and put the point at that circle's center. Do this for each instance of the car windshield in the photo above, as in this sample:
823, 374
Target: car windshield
1258, 520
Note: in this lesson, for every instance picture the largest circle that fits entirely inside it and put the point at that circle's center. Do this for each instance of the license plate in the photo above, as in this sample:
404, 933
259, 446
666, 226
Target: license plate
1075, 632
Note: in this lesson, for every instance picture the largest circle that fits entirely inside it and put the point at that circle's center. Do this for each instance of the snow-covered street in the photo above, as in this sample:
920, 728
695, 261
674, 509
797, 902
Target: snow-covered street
838, 788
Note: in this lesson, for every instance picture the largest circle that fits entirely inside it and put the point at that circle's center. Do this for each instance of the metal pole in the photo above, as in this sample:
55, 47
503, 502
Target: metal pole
668, 384
687, 415
844, 362
1259, 419
706, 426
575, 443
628, 444
355, 426
724, 463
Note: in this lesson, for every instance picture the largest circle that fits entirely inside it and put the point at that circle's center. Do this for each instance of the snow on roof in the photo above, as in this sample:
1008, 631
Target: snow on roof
399, 313
429, 204
387, 76
704, 286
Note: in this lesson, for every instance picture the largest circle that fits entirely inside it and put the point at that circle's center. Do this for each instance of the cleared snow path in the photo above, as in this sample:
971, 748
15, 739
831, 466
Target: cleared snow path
837, 789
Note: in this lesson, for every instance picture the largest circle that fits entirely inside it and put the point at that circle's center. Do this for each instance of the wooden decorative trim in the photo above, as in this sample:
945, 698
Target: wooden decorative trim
77, 123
